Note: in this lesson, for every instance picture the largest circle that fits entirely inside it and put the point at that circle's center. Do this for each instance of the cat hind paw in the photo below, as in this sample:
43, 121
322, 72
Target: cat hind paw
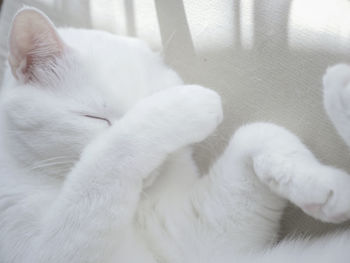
329, 199
320, 191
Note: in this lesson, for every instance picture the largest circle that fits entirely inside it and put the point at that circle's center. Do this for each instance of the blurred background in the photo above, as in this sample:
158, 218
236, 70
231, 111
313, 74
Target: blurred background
265, 57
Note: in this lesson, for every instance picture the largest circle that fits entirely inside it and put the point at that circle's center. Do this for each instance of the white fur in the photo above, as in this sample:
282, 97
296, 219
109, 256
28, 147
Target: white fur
95, 164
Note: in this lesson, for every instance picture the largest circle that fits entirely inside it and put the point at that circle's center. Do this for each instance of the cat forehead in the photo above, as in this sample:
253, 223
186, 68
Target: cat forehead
99, 43
110, 59
110, 68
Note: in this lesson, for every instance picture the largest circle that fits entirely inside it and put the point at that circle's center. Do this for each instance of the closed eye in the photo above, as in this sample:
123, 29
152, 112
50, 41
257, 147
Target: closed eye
98, 118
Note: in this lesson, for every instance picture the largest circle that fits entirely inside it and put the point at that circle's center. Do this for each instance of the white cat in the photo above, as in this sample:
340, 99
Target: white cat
95, 165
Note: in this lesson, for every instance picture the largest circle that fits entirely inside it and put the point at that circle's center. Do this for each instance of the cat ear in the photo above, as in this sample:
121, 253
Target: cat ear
34, 44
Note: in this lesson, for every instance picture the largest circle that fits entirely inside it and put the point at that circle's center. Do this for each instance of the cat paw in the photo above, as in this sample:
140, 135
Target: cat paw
328, 196
198, 111
336, 84
320, 191
180, 115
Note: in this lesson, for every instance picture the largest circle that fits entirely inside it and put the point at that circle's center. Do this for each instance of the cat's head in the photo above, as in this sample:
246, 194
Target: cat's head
67, 86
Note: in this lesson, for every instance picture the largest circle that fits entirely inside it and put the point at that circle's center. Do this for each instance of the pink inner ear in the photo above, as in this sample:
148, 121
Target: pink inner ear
34, 42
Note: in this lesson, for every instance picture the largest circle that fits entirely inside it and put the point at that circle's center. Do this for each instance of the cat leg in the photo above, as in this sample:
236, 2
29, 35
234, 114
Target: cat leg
92, 217
263, 166
336, 98
290, 170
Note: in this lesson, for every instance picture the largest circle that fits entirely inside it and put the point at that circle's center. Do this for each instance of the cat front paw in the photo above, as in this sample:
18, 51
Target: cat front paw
336, 84
196, 110
177, 116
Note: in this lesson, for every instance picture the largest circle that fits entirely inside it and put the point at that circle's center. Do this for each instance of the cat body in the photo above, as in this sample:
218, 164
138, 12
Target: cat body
96, 163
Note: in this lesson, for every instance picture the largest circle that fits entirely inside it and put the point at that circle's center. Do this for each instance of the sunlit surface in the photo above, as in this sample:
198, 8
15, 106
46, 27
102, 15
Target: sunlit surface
320, 25
135, 18
247, 23
229, 24
220, 24
211, 23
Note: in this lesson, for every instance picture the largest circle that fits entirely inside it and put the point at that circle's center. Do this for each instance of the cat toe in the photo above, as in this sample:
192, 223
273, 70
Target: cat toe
333, 194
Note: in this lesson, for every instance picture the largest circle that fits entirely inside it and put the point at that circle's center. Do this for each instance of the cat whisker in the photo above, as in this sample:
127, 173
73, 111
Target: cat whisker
167, 43
51, 159
51, 164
